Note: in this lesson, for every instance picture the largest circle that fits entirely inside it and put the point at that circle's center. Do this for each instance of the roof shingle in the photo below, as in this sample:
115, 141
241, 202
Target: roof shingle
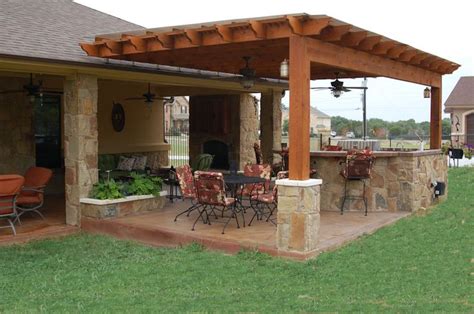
52, 29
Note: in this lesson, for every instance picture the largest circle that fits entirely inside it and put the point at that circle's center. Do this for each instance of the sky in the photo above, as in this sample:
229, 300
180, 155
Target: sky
443, 28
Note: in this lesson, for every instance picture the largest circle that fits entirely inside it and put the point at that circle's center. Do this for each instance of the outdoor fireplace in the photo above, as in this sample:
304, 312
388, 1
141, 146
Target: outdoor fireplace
220, 151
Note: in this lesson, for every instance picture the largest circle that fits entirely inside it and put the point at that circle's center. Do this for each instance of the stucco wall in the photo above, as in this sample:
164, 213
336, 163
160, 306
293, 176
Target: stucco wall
143, 131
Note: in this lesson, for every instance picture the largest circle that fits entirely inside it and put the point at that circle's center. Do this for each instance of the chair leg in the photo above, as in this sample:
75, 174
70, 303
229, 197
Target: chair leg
12, 225
228, 220
188, 211
200, 216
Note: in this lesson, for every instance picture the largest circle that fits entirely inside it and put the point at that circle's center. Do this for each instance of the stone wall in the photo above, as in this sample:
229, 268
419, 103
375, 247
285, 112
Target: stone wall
122, 207
270, 126
17, 141
400, 181
298, 217
80, 141
248, 129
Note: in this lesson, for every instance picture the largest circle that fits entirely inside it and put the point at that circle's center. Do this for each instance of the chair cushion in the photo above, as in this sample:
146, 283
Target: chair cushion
126, 163
28, 199
265, 198
229, 201
140, 163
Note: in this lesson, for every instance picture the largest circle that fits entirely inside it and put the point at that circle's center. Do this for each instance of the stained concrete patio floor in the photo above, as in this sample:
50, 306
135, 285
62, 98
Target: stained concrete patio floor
34, 228
158, 228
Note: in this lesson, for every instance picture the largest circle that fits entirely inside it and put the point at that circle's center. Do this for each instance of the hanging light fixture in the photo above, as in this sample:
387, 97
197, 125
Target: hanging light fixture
284, 68
248, 74
337, 93
427, 93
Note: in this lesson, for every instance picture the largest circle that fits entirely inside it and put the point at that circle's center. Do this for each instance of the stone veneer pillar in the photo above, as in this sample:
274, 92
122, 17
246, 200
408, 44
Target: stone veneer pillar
270, 125
80, 141
298, 217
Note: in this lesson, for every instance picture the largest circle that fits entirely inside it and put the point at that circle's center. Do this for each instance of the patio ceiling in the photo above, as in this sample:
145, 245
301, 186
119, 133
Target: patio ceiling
220, 46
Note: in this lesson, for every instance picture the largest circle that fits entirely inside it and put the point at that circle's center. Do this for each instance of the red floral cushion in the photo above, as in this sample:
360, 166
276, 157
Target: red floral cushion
210, 188
186, 181
254, 170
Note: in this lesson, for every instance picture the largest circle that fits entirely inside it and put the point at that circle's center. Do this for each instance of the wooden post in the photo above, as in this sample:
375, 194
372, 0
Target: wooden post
436, 118
299, 109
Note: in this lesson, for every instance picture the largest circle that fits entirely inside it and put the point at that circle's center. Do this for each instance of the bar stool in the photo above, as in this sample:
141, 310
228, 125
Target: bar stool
357, 167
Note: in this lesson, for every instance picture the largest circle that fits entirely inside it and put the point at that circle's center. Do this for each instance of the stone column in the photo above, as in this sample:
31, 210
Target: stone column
248, 129
80, 141
270, 125
298, 217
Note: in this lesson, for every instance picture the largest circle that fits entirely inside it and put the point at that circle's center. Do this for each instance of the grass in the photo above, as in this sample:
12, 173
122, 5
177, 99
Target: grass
423, 263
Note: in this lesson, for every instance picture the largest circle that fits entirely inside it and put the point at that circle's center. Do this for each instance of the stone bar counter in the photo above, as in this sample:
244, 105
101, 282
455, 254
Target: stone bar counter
401, 180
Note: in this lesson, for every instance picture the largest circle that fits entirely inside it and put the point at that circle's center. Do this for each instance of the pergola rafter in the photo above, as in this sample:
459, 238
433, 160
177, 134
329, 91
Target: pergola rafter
317, 47
132, 45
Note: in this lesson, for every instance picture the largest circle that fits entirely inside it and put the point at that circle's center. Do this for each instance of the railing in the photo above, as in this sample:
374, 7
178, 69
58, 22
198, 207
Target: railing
179, 142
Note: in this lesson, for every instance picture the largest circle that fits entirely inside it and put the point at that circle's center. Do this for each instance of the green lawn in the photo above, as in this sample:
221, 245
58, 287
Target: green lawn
421, 264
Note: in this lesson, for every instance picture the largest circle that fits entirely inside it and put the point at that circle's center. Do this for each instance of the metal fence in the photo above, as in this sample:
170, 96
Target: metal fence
179, 142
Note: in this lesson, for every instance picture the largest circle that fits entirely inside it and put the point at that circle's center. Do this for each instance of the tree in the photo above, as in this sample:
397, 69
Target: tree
285, 126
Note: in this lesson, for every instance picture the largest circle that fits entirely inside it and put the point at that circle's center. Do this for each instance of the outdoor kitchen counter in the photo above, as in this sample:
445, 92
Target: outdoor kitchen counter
401, 180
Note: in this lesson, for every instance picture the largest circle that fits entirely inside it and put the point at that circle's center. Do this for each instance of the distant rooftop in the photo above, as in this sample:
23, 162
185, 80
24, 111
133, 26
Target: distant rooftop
462, 94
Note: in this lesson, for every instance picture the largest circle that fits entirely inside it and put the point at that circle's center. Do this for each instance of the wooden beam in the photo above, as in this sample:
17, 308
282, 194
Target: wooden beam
313, 27
418, 58
407, 55
296, 25
353, 39
225, 32
165, 40
90, 49
360, 61
258, 28
436, 118
194, 37
334, 33
383, 47
369, 43
299, 109
395, 52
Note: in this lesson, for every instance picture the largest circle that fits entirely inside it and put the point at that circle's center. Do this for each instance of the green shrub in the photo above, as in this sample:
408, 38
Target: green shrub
143, 185
107, 190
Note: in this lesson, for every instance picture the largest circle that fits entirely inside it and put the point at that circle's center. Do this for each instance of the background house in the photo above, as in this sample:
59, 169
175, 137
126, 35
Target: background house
320, 122
460, 104
177, 116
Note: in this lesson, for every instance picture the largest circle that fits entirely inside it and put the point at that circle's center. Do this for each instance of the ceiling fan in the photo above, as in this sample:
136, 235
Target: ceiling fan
337, 87
248, 74
32, 89
148, 97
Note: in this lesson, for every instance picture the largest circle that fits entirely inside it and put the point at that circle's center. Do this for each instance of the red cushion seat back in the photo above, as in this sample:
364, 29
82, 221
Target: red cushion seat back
10, 186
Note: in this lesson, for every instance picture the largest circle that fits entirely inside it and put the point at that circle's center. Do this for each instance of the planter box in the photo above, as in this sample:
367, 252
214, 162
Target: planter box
121, 207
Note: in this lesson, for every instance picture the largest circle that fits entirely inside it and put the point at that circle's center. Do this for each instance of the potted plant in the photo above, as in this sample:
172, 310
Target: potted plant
468, 150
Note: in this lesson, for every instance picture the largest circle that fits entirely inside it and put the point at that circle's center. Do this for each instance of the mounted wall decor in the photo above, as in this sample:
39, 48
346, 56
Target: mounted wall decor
118, 117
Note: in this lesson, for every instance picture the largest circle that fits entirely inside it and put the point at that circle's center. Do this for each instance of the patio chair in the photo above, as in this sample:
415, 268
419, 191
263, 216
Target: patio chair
31, 197
268, 200
188, 191
357, 167
203, 162
257, 170
10, 186
210, 191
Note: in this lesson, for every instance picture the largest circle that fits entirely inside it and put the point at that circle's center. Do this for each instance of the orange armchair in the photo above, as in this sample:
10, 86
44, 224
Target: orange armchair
10, 186
31, 196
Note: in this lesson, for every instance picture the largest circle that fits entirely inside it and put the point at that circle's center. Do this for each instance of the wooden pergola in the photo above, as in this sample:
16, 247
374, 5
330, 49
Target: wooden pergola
316, 46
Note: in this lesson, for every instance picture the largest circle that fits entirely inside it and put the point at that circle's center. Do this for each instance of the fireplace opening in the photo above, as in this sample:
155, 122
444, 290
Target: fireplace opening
220, 151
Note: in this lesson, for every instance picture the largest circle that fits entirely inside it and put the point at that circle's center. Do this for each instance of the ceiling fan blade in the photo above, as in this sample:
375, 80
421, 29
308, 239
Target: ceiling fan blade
321, 88
135, 98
